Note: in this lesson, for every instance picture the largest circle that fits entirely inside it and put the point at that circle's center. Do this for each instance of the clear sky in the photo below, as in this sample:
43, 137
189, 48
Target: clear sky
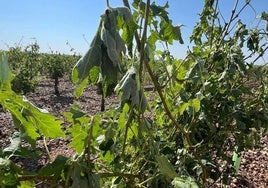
54, 22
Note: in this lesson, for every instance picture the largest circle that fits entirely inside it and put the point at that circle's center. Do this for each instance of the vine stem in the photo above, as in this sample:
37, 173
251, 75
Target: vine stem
107, 3
137, 38
144, 59
90, 137
143, 39
46, 148
178, 126
127, 126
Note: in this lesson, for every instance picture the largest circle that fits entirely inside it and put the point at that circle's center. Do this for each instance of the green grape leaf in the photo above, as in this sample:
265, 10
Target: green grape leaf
94, 74
79, 180
165, 167
183, 107
55, 168
97, 130
45, 123
122, 118
80, 88
166, 31
152, 39
26, 184
195, 103
8, 173
79, 132
31, 120
128, 33
237, 158
160, 10
184, 182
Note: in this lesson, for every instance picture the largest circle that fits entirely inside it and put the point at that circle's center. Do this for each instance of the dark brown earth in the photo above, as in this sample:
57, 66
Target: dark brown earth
253, 171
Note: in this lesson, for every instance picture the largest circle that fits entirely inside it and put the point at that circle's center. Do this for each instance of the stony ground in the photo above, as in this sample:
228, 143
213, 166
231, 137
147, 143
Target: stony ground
253, 170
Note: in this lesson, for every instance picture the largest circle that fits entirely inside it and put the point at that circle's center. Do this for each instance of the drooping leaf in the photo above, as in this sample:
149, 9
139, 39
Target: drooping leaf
110, 42
16, 149
166, 31
14, 143
82, 68
110, 36
124, 12
130, 93
177, 34
109, 73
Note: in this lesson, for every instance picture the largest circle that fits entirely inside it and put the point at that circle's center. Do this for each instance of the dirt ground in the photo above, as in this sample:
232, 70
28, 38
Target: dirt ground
253, 171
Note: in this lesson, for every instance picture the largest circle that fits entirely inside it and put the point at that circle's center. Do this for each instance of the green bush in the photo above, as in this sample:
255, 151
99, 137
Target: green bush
25, 64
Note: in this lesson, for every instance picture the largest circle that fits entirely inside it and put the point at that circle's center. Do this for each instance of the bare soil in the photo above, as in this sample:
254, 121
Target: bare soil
253, 171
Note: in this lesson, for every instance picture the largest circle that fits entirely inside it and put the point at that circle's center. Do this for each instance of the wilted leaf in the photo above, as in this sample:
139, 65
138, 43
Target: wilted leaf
14, 143
82, 68
130, 93
177, 34
124, 12
110, 42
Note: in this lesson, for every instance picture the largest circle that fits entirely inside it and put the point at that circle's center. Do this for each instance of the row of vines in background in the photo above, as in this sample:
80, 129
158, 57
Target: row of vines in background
29, 66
